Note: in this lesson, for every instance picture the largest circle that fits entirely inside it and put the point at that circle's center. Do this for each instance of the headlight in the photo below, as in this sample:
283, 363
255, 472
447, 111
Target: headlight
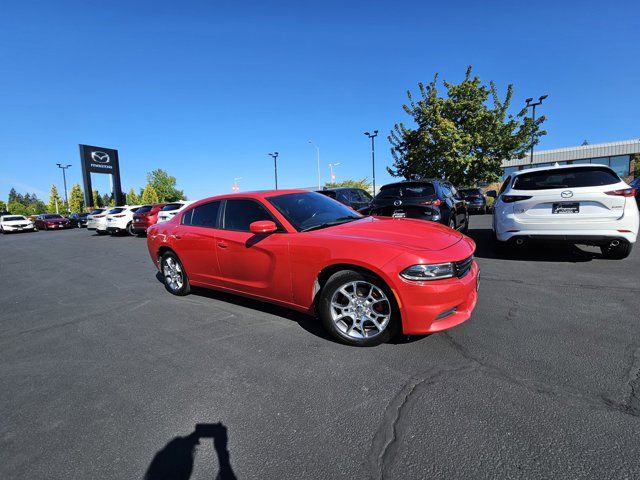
434, 271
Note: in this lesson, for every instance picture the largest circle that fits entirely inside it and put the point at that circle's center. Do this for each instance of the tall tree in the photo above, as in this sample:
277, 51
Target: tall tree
14, 196
97, 199
462, 137
76, 199
149, 195
55, 203
165, 186
132, 198
17, 208
3, 206
106, 200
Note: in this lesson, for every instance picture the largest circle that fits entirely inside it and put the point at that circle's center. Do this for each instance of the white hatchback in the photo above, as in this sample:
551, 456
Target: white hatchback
583, 204
171, 209
97, 220
120, 219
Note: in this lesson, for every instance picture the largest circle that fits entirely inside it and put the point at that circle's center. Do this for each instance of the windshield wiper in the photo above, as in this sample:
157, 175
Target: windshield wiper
337, 221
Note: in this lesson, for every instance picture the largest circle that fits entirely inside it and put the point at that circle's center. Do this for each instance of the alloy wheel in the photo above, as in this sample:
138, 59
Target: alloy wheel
172, 274
360, 310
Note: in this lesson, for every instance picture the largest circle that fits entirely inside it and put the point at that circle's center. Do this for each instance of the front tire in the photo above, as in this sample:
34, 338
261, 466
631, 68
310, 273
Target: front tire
358, 309
175, 279
622, 250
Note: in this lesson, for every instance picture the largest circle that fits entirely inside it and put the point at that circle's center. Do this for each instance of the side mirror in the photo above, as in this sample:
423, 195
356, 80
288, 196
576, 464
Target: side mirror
491, 193
263, 226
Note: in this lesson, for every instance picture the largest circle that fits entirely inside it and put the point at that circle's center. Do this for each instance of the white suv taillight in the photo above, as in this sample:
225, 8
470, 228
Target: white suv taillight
625, 192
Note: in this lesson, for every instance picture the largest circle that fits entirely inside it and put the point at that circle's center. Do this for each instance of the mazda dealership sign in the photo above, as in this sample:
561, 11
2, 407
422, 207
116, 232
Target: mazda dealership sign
100, 160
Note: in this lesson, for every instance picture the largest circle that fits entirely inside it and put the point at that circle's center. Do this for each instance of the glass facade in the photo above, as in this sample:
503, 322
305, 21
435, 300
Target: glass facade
619, 164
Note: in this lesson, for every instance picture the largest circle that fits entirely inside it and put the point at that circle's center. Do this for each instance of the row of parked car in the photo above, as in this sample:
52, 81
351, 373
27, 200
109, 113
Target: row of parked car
132, 219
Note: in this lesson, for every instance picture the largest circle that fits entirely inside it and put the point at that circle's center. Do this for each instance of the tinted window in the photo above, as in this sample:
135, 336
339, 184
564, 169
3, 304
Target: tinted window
203, 215
171, 206
239, 214
145, 209
115, 210
565, 178
97, 211
408, 190
328, 193
309, 210
504, 185
471, 191
51, 216
12, 218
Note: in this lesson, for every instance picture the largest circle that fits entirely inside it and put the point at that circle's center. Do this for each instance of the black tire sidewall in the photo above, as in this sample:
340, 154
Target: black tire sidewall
186, 287
324, 308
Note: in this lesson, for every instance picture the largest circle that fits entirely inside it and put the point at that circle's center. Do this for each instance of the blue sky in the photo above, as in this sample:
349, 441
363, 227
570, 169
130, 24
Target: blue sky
206, 89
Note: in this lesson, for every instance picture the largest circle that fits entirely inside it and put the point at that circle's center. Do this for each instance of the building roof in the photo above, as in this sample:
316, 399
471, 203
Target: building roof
624, 147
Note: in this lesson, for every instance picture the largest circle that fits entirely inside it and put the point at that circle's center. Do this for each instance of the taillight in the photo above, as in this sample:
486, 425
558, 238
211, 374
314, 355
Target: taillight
118, 216
514, 198
435, 203
625, 192
98, 216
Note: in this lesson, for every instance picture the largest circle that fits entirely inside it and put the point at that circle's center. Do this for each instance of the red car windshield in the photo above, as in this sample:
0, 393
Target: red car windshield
311, 210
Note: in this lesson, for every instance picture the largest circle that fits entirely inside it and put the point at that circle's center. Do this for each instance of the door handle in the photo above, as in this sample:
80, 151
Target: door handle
223, 244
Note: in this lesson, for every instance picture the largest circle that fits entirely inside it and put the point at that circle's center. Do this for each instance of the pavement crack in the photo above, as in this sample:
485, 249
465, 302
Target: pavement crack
386, 440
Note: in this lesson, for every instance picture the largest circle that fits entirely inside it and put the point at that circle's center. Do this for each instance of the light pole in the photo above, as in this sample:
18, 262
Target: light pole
533, 105
318, 160
64, 179
331, 165
235, 187
275, 166
372, 136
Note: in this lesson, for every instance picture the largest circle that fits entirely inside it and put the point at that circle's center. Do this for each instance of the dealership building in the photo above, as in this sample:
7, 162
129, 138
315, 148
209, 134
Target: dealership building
617, 155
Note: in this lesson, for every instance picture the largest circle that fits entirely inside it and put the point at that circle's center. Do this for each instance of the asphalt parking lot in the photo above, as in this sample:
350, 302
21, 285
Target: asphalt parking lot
106, 375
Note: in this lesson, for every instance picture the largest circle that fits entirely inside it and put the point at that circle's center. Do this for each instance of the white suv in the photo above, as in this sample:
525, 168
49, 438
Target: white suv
170, 209
120, 219
585, 204
97, 220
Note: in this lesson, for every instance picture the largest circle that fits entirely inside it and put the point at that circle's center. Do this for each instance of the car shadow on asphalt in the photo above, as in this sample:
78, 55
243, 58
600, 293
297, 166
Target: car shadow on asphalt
308, 322
175, 460
531, 251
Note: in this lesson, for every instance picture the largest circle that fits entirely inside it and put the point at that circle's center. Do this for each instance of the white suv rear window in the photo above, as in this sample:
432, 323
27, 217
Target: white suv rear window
566, 178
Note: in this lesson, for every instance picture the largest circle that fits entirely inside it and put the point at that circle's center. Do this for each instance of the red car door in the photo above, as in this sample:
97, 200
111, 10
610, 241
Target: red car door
195, 243
257, 264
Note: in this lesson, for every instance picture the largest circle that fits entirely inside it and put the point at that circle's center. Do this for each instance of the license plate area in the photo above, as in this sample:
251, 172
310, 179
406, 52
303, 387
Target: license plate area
564, 208
399, 214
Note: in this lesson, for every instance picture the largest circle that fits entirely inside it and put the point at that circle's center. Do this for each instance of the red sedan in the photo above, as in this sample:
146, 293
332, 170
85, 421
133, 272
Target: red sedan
145, 216
366, 277
52, 221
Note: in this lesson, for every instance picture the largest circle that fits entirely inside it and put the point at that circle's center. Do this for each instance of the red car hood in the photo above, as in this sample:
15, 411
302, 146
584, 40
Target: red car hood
405, 233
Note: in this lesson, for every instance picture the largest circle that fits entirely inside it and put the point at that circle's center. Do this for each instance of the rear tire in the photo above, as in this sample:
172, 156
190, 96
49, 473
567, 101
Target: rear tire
617, 253
130, 229
358, 309
175, 278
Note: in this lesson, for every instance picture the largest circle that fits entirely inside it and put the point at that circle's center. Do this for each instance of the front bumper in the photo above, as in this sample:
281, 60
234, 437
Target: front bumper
14, 228
433, 306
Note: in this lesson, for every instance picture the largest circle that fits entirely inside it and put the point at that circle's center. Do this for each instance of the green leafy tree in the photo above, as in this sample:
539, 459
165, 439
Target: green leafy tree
97, 199
14, 196
17, 208
165, 186
363, 183
107, 200
132, 197
149, 195
3, 206
462, 137
54, 199
76, 199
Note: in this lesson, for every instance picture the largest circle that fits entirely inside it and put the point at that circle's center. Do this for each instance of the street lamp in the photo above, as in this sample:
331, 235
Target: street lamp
275, 166
235, 187
533, 105
372, 136
331, 165
318, 161
64, 179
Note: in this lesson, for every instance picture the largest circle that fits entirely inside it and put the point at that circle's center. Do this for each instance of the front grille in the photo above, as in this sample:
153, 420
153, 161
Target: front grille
463, 266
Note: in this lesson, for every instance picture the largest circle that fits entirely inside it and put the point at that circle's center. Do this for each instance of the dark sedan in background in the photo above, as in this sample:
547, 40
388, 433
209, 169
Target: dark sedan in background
78, 220
433, 200
476, 201
52, 221
355, 198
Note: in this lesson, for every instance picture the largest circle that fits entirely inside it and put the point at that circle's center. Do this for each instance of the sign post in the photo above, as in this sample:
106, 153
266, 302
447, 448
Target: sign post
100, 160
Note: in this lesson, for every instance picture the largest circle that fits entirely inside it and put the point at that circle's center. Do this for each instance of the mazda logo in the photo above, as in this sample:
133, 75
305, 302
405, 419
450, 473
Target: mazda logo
397, 203
100, 157
566, 194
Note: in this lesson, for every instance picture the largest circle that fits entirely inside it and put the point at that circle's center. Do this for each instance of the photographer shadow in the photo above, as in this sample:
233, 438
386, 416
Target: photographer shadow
175, 460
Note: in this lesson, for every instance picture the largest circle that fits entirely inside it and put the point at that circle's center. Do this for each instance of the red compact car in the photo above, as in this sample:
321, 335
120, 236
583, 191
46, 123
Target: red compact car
52, 221
365, 277
146, 216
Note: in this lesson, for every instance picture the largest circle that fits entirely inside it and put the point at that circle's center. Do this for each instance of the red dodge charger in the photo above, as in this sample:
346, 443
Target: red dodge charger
365, 277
